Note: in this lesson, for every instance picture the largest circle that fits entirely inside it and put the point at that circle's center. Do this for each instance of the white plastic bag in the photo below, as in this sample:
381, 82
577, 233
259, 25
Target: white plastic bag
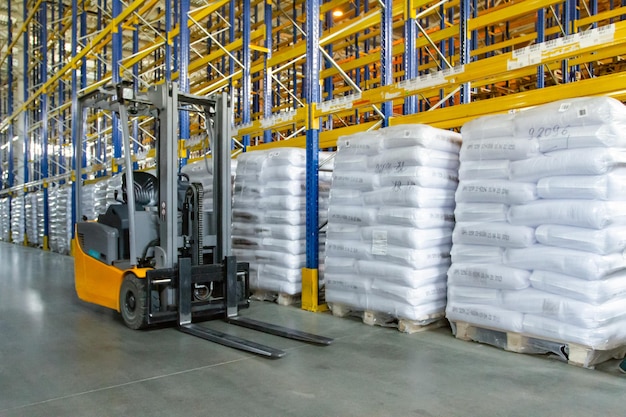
581, 213
484, 170
593, 292
481, 212
488, 276
493, 234
604, 241
495, 191
506, 148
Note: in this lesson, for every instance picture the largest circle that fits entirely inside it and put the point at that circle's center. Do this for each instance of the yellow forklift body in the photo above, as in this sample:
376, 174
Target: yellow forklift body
97, 282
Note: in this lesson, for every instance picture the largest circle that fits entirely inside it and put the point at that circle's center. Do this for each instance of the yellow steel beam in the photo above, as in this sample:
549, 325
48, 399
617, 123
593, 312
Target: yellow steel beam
613, 85
509, 12
606, 15
328, 138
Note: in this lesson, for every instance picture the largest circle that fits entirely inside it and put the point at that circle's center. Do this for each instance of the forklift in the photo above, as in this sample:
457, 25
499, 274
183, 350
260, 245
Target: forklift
159, 257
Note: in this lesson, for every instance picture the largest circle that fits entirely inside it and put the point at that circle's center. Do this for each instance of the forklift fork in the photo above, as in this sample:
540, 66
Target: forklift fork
185, 324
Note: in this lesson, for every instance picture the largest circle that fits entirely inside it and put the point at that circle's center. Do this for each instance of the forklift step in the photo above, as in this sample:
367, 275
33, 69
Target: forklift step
231, 341
279, 330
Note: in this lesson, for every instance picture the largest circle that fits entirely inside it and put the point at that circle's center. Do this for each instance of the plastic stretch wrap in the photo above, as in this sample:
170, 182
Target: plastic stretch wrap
611, 186
5, 216
269, 216
592, 214
557, 172
40, 216
593, 292
17, 219
59, 209
390, 220
494, 234
30, 219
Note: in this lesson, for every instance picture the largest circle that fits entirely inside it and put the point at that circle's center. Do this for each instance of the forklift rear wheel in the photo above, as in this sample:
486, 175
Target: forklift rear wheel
133, 302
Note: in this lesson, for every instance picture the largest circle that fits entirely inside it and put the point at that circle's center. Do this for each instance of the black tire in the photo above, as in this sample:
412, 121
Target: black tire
133, 305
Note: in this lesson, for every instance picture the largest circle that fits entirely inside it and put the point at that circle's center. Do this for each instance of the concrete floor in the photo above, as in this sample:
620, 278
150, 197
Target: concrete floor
62, 357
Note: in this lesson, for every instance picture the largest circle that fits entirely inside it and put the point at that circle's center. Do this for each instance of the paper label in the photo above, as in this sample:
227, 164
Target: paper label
379, 242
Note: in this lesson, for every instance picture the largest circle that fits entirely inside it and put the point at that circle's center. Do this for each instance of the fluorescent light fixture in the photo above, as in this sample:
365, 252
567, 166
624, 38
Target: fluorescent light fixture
337, 13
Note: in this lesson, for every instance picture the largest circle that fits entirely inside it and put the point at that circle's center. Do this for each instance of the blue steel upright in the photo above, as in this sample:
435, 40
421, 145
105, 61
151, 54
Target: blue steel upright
76, 140
410, 55
116, 50
43, 20
267, 78
386, 45
312, 92
183, 71
464, 48
246, 80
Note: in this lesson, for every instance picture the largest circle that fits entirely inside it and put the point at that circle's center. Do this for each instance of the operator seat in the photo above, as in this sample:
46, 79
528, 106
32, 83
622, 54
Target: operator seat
145, 188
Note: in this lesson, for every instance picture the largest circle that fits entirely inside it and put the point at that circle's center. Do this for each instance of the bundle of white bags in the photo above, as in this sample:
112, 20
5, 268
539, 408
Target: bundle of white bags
30, 218
541, 223
5, 222
94, 199
269, 218
40, 216
202, 172
60, 215
17, 219
391, 217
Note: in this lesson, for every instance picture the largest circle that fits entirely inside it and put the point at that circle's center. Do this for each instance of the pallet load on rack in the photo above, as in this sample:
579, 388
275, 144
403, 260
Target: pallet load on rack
269, 221
93, 199
30, 216
390, 224
59, 209
5, 222
40, 216
202, 172
538, 244
17, 219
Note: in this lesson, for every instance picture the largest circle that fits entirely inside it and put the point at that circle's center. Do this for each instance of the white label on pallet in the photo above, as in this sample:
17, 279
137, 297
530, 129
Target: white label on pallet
432, 79
339, 103
379, 242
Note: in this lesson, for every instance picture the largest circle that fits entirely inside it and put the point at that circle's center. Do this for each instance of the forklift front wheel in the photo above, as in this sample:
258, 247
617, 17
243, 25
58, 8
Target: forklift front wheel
133, 304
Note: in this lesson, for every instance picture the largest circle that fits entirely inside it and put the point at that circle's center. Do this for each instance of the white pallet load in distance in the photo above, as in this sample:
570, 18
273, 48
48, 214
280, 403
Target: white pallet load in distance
5, 222
30, 216
390, 224
269, 220
18, 227
538, 247
40, 216
60, 215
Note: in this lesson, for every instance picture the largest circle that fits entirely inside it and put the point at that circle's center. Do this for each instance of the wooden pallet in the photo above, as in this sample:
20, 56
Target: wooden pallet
275, 297
374, 318
573, 353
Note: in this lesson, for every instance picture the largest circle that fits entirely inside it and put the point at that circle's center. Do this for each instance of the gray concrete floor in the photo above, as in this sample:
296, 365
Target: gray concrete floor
62, 357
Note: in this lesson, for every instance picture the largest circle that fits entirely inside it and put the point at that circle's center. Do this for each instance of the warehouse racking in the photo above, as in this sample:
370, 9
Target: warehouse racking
379, 62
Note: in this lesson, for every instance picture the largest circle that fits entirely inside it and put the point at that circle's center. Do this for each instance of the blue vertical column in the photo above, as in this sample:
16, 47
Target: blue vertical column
10, 134
136, 90
43, 20
312, 92
231, 61
410, 53
386, 45
464, 47
183, 71
61, 57
328, 81
76, 118
267, 80
116, 52
100, 146
567, 21
26, 78
168, 40
541, 37
246, 79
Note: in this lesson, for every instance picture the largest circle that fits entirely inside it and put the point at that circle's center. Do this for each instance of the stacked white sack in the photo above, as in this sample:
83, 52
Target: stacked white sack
202, 172
40, 216
541, 216
60, 212
30, 216
5, 222
391, 219
269, 219
17, 219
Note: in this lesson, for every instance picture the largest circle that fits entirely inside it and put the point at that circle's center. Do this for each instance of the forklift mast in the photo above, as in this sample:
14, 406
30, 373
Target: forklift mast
176, 264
